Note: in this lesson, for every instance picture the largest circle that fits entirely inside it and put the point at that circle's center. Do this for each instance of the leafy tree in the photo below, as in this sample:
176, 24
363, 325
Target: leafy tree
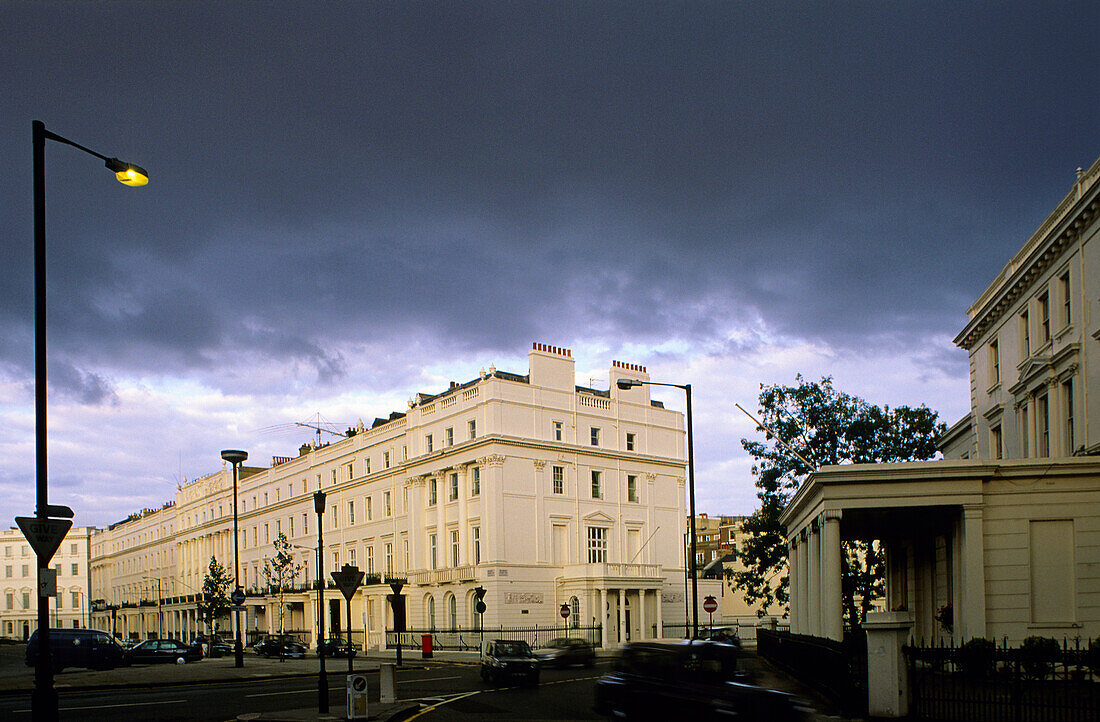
825, 427
280, 572
215, 598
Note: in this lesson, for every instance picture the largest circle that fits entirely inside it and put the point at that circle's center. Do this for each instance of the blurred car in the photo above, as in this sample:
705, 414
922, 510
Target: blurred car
508, 659
152, 651
726, 635
336, 647
698, 680
566, 651
284, 646
89, 648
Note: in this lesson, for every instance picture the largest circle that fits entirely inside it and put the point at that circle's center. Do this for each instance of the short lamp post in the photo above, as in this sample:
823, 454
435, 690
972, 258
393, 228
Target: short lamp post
236, 457
322, 679
625, 384
44, 697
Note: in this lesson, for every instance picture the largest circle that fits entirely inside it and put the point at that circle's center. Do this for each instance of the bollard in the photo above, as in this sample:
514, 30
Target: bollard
386, 687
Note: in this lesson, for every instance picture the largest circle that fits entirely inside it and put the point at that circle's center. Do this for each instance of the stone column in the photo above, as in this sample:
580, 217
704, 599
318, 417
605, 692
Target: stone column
622, 615
643, 628
493, 530
887, 672
832, 611
813, 583
794, 578
416, 527
602, 617
443, 545
464, 543
660, 613
971, 614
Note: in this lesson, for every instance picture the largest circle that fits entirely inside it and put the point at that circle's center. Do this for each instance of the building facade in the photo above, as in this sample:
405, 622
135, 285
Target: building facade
19, 591
1000, 539
537, 490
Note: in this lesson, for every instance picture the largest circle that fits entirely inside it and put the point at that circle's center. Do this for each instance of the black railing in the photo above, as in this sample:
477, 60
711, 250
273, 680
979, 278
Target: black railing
837, 670
470, 638
980, 680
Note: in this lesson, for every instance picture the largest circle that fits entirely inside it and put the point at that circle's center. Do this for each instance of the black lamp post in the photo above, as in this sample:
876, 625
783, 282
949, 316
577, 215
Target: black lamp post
44, 697
625, 384
236, 457
322, 679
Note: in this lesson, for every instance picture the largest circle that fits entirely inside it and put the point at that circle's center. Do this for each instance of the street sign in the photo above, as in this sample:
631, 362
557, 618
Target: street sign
44, 535
479, 607
564, 611
47, 582
237, 597
348, 579
710, 604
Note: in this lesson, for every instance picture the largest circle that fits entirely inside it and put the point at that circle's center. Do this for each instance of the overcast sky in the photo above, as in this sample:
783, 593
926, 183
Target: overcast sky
352, 203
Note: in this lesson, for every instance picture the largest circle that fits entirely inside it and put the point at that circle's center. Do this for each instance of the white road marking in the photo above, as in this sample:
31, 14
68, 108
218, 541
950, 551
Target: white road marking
113, 706
425, 679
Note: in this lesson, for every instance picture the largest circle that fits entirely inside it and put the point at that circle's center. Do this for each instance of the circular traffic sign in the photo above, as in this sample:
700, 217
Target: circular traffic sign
564, 611
710, 604
480, 607
237, 597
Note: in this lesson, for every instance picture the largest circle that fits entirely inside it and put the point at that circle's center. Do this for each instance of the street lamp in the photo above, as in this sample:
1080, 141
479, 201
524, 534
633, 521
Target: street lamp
44, 697
236, 457
322, 679
625, 384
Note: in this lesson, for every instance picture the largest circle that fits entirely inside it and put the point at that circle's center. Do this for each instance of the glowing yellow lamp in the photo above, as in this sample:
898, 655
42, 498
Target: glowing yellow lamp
127, 173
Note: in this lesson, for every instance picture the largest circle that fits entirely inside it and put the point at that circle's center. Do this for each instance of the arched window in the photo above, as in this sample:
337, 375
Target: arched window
430, 605
452, 611
575, 611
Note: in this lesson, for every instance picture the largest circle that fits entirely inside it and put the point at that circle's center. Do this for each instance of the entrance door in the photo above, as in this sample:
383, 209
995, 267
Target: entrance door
334, 616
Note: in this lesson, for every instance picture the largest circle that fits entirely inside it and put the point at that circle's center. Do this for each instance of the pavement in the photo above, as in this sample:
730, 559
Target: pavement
18, 679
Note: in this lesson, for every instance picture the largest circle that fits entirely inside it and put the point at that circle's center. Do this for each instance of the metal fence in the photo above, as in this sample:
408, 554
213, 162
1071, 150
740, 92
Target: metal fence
469, 638
982, 681
837, 670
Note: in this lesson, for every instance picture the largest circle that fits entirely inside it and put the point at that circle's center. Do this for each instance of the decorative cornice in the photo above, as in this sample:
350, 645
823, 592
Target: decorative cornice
1037, 254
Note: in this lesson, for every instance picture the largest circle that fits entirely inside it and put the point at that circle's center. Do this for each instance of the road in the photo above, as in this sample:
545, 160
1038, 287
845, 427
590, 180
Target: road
446, 691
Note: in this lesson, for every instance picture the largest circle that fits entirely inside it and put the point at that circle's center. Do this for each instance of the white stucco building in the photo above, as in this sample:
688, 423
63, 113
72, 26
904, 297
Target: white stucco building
1000, 539
538, 490
19, 583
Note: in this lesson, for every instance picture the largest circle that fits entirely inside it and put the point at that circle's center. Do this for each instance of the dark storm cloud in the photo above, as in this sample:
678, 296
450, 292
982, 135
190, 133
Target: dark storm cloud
485, 174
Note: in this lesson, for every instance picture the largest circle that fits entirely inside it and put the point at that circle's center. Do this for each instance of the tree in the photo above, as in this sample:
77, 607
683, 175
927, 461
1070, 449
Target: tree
215, 601
825, 427
279, 572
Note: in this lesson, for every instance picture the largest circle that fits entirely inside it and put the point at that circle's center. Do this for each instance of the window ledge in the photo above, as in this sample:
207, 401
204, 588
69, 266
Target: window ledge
995, 387
1068, 328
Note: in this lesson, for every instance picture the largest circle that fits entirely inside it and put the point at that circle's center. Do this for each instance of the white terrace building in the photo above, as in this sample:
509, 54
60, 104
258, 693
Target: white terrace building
1001, 539
19, 583
542, 492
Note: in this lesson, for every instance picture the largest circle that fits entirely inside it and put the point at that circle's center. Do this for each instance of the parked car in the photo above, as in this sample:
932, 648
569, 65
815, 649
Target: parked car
336, 647
566, 651
152, 651
216, 646
697, 680
277, 645
89, 648
508, 659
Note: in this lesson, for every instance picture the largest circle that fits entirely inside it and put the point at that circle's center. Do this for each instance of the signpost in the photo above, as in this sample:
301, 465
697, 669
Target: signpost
348, 580
564, 612
397, 601
710, 604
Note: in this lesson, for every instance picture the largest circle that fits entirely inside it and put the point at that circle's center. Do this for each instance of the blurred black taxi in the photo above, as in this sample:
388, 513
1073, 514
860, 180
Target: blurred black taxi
697, 680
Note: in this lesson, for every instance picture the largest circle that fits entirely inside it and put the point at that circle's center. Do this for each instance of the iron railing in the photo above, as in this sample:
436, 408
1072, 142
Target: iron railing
982, 681
470, 638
